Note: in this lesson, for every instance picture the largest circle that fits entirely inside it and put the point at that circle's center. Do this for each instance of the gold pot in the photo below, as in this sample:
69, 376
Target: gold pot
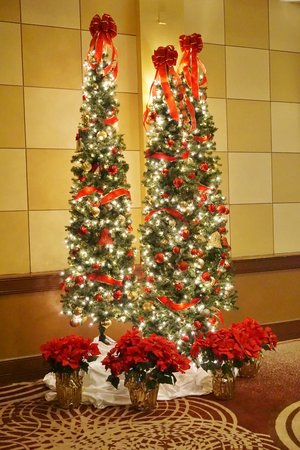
69, 389
142, 398
223, 385
250, 368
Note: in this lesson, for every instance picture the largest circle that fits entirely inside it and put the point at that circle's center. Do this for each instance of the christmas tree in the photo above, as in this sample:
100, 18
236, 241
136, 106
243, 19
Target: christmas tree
100, 263
184, 251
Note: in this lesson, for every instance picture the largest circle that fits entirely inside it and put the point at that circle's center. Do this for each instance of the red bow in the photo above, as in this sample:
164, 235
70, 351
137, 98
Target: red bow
164, 55
103, 30
189, 64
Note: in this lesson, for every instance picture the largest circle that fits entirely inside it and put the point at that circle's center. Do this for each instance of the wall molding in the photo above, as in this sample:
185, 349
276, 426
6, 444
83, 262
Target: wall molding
32, 368
49, 281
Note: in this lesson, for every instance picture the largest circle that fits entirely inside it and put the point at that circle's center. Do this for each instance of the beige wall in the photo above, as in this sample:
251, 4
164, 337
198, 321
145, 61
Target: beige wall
252, 56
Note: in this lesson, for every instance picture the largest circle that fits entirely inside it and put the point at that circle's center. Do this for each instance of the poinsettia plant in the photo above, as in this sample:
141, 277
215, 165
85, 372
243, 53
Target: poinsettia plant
153, 359
231, 347
69, 353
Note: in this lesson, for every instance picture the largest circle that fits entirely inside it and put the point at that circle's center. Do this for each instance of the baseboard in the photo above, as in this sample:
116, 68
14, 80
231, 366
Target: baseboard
32, 368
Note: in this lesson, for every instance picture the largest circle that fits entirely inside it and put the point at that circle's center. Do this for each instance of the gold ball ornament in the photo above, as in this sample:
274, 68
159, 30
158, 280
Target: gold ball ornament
172, 223
122, 219
101, 135
86, 166
164, 242
148, 306
85, 118
95, 211
201, 263
75, 321
77, 311
183, 205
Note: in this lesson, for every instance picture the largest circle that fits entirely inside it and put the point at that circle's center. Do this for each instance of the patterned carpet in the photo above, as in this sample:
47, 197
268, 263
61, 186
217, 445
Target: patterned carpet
264, 414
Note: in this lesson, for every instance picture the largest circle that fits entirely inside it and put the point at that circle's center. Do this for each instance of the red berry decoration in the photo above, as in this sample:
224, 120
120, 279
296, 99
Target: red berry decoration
185, 338
112, 170
204, 167
165, 172
96, 266
150, 279
198, 324
221, 209
170, 142
117, 294
206, 276
184, 144
211, 208
183, 266
153, 115
179, 286
165, 195
176, 250
185, 233
114, 150
227, 211
82, 179
159, 258
83, 229
194, 251
191, 175
217, 290
203, 197
98, 298
225, 242
200, 253
178, 182
148, 290
222, 230
79, 280
130, 252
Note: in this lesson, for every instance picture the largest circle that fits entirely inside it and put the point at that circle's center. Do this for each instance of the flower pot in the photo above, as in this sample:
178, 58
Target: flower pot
69, 389
250, 368
223, 385
142, 398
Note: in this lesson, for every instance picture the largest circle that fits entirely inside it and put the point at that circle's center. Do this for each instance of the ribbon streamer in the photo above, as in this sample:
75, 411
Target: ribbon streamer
116, 193
87, 191
106, 279
160, 155
103, 30
202, 138
172, 212
177, 306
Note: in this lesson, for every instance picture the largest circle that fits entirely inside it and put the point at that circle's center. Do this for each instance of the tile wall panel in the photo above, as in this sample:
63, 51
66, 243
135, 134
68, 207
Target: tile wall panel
129, 120
213, 57
284, 71
134, 176
285, 127
217, 108
51, 57
13, 189
11, 117
286, 186
10, 10
14, 242
10, 51
286, 228
55, 13
206, 18
284, 26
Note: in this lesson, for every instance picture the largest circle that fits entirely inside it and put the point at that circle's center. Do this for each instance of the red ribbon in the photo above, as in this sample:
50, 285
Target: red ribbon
189, 64
106, 279
172, 212
87, 191
164, 60
160, 155
110, 120
202, 138
114, 194
103, 30
177, 306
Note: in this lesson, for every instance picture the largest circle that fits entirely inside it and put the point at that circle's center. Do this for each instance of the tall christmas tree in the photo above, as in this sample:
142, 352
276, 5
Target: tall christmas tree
184, 252
99, 277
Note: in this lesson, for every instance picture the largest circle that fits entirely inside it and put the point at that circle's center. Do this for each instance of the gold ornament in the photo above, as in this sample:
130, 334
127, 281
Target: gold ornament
106, 323
183, 205
101, 135
85, 119
200, 263
132, 295
172, 223
215, 240
86, 166
122, 219
200, 238
95, 211
148, 306
77, 311
164, 242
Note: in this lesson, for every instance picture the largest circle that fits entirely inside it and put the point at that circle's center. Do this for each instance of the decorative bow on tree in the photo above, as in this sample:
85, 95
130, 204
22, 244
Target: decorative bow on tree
103, 30
190, 46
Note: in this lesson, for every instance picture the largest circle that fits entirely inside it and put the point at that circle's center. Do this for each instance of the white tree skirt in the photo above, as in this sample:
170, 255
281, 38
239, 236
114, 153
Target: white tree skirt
97, 391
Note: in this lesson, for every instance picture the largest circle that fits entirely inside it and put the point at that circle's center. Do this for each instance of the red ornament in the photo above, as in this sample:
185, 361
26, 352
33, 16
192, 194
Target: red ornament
117, 294
217, 290
204, 167
206, 276
129, 228
227, 211
185, 233
221, 209
83, 229
105, 237
114, 150
170, 142
159, 258
203, 197
150, 279
222, 230
185, 338
198, 324
211, 208
148, 290
94, 167
194, 251
165, 172
165, 195
179, 286
83, 97
192, 175
178, 182
183, 266
96, 266
200, 253
79, 280
176, 250
98, 298
225, 242
112, 170
82, 179
153, 115
184, 144
130, 252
